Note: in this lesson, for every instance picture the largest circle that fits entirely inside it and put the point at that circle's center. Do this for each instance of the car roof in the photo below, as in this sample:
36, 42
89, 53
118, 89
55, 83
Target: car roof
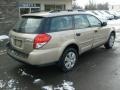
53, 14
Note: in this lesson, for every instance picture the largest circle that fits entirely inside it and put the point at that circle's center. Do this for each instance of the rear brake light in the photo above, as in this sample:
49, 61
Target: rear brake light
40, 40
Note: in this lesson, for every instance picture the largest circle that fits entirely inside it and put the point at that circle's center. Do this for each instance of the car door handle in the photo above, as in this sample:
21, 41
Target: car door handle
78, 34
96, 31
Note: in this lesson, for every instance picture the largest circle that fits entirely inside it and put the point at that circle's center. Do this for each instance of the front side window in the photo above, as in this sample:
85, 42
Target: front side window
61, 23
80, 22
94, 22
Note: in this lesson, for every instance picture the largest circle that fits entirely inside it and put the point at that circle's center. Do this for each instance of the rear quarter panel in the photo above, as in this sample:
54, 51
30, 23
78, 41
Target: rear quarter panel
60, 40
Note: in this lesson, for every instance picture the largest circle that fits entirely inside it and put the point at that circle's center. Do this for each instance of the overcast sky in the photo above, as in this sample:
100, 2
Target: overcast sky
84, 2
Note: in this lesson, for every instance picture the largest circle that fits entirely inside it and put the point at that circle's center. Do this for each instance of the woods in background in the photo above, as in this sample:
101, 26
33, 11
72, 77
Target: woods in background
93, 6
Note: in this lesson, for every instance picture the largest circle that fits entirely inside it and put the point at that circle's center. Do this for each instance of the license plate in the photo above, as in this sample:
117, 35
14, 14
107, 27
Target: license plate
18, 54
18, 43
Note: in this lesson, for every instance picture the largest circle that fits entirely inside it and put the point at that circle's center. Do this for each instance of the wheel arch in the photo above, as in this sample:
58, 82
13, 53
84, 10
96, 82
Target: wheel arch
113, 33
74, 45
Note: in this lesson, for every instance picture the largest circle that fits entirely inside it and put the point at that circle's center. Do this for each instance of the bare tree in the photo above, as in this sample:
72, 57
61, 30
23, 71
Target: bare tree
75, 6
91, 5
102, 6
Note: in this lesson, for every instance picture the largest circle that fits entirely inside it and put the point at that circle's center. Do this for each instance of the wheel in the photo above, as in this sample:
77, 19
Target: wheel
68, 59
110, 41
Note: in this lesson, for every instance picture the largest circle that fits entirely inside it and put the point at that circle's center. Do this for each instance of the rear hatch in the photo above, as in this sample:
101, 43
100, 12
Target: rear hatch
23, 34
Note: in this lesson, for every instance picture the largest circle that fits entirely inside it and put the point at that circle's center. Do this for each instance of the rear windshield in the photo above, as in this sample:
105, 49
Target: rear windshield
32, 25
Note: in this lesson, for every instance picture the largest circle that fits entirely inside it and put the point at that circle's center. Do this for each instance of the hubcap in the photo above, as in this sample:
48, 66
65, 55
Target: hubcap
70, 60
112, 40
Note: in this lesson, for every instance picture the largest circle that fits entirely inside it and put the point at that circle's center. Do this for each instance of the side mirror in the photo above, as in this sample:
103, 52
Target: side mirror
104, 24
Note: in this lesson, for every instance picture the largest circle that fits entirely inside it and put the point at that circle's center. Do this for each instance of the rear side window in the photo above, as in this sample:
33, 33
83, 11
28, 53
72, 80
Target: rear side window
94, 22
61, 23
30, 25
80, 22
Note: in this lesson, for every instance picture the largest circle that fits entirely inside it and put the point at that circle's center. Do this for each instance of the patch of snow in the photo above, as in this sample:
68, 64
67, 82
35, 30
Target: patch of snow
118, 36
23, 73
5, 72
14, 88
2, 53
50, 87
2, 84
58, 88
2, 37
36, 81
11, 83
66, 85
115, 23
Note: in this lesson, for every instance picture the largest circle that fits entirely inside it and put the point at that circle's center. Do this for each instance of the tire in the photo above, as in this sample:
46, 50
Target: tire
110, 41
68, 59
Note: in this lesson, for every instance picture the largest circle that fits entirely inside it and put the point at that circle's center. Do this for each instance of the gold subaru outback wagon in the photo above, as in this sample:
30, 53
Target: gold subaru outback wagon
48, 37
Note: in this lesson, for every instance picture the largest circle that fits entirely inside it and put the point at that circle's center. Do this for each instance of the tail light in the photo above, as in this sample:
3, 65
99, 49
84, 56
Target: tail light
40, 40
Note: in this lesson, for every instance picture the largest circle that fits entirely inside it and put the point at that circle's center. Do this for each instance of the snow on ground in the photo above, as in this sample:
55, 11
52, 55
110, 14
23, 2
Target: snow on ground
2, 37
11, 84
2, 84
3, 40
66, 85
23, 73
36, 81
118, 36
8, 85
2, 52
50, 87
115, 23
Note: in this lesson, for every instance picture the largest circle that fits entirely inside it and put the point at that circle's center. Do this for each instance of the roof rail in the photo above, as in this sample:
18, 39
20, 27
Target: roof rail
69, 10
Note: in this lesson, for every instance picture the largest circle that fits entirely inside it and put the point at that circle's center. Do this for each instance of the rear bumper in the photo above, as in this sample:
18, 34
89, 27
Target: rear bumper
36, 57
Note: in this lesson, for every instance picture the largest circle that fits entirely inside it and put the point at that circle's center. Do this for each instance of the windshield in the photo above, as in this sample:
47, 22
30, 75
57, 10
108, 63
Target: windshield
29, 25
